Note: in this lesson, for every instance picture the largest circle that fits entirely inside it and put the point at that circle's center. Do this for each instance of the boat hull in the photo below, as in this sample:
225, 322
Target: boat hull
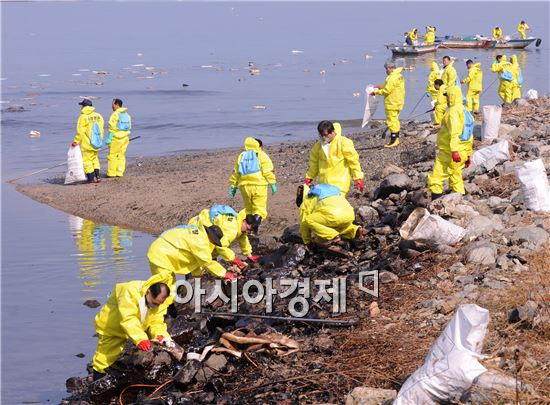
397, 49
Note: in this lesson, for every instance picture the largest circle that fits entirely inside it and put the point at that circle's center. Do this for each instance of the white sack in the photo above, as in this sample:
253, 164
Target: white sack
534, 185
491, 122
425, 227
371, 103
531, 94
452, 363
75, 167
499, 151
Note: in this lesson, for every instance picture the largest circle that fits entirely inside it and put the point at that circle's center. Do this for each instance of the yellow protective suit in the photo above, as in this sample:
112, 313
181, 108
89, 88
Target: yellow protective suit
497, 34
231, 228
521, 29
440, 105
449, 75
327, 219
429, 37
83, 136
435, 74
516, 87
506, 88
448, 141
116, 159
413, 34
254, 186
393, 91
475, 85
124, 317
339, 165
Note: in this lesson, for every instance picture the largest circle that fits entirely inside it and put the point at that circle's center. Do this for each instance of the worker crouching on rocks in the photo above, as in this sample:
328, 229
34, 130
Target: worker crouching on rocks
132, 311
326, 213
453, 153
334, 160
185, 249
234, 227
253, 173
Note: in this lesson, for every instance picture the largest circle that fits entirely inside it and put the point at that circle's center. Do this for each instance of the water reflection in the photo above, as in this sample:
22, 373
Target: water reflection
100, 249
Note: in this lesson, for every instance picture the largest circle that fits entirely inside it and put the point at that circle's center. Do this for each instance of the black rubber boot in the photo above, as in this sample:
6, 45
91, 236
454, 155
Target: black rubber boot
96, 172
90, 177
436, 196
394, 141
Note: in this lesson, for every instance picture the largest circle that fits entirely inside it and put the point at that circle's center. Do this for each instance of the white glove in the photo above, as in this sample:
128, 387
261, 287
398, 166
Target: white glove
433, 102
169, 343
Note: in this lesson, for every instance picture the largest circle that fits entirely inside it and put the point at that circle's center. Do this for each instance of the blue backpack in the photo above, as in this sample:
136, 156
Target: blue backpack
249, 163
221, 209
507, 75
323, 191
96, 140
468, 131
123, 123
520, 78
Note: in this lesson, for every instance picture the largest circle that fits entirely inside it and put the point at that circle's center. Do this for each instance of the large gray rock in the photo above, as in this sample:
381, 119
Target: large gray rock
370, 396
491, 387
393, 184
532, 235
481, 225
367, 215
480, 252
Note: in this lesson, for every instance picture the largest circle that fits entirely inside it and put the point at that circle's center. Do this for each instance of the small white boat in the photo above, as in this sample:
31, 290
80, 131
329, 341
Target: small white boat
404, 49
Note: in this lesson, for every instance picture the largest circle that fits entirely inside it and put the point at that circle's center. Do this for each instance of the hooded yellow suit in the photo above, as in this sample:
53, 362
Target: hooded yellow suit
88, 117
506, 87
393, 91
475, 85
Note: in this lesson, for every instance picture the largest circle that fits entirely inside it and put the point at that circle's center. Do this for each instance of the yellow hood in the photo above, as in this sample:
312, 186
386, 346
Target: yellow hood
455, 96
121, 109
435, 67
503, 59
337, 128
477, 65
251, 144
514, 59
87, 110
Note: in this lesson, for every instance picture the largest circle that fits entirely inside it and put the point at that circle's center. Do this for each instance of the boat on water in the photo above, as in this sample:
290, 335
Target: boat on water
404, 49
478, 41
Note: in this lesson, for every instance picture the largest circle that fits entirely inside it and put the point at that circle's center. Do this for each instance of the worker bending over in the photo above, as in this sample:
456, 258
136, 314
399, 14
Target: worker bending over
393, 91
234, 227
120, 124
334, 160
326, 213
132, 311
253, 173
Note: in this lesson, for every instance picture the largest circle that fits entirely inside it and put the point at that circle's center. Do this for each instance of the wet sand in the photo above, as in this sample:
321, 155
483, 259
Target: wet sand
157, 193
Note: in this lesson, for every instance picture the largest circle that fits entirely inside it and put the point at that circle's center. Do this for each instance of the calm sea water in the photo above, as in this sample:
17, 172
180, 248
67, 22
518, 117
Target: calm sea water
51, 263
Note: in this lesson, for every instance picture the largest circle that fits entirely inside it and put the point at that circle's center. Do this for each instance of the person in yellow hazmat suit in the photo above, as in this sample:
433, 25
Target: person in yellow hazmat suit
393, 91
234, 227
449, 75
435, 74
120, 125
518, 78
411, 37
450, 159
497, 33
475, 85
440, 103
132, 311
252, 174
429, 37
326, 213
89, 135
334, 160
522, 27
506, 78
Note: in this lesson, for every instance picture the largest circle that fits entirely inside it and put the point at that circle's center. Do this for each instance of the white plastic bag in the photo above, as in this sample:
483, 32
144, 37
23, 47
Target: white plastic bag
531, 94
452, 364
371, 103
534, 185
499, 151
491, 122
425, 227
75, 167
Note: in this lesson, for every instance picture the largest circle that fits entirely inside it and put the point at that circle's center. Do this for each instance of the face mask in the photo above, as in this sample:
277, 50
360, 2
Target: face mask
325, 140
152, 306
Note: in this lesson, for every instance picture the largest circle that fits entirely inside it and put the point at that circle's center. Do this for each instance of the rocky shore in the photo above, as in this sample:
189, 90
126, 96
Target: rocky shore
501, 263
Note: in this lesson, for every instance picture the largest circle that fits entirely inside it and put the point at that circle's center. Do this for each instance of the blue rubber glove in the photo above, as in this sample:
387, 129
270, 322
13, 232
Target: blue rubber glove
232, 191
428, 94
109, 138
273, 189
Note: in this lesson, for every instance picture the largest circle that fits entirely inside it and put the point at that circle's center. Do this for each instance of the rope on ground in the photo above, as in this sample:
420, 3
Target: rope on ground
157, 389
